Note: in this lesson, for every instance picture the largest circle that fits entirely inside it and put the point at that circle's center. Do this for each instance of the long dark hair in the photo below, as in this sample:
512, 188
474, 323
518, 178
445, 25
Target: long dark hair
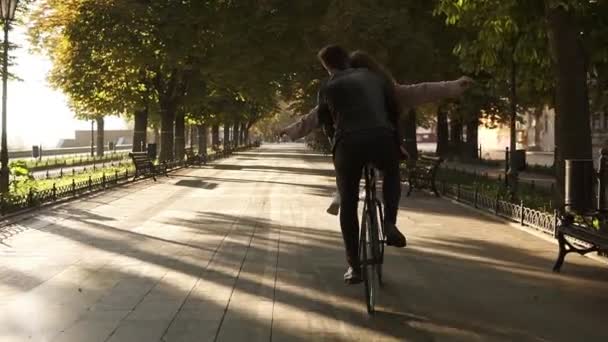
361, 59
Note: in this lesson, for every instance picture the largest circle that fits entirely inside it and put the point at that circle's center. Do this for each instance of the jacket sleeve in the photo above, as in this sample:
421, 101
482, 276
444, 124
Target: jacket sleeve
414, 95
304, 126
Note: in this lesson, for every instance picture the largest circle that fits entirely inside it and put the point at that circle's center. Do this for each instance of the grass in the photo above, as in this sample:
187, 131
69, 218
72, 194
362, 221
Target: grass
23, 186
71, 161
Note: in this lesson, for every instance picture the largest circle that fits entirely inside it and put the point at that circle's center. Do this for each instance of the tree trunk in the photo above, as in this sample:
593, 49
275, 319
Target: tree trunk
226, 136
156, 135
512, 173
187, 136
538, 128
472, 151
100, 131
442, 132
180, 138
246, 133
140, 130
167, 120
192, 135
235, 135
455, 136
215, 135
203, 132
573, 129
92, 138
242, 135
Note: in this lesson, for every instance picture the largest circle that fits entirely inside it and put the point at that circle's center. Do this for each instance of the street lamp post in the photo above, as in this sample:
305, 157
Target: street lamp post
7, 11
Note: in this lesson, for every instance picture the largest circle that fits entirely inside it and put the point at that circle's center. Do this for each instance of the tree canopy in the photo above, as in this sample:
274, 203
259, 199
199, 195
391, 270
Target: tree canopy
222, 61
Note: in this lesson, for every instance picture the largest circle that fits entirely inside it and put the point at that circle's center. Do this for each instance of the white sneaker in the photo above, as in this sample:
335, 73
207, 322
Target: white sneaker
334, 207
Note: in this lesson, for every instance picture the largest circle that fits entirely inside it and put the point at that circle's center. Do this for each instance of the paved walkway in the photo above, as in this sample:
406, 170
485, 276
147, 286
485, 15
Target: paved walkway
243, 251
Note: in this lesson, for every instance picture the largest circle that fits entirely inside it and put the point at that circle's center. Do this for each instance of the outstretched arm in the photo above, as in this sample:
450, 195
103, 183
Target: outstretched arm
414, 95
304, 126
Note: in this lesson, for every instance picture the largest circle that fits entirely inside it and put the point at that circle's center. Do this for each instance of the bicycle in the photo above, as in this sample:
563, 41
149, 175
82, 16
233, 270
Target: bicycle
372, 239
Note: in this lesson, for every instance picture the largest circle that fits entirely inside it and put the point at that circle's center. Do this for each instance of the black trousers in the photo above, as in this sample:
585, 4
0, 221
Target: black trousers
351, 153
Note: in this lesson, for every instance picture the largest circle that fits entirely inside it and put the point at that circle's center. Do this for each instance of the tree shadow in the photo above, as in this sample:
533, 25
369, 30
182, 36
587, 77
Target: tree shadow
219, 180
445, 286
196, 183
307, 280
278, 169
424, 203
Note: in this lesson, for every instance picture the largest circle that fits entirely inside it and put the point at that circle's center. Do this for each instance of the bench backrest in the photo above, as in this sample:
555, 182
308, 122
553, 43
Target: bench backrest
435, 161
425, 165
140, 160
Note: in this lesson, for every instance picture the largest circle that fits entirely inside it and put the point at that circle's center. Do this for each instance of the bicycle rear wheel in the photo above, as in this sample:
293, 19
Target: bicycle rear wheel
369, 255
366, 274
381, 239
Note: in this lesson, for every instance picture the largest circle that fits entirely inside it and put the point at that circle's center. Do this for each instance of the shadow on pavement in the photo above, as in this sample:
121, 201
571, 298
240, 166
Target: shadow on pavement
459, 289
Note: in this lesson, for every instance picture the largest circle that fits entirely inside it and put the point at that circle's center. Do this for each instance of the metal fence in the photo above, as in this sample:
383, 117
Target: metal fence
517, 212
61, 172
11, 204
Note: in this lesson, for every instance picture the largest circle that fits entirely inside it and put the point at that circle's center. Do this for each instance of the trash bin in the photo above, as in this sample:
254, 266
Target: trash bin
111, 146
579, 181
519, 160
35, 151
152, 151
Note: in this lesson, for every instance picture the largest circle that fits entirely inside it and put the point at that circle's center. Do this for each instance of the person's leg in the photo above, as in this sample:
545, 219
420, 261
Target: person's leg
348, 173
387, 160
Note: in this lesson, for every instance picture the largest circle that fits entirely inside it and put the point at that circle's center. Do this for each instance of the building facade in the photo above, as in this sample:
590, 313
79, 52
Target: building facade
536, 132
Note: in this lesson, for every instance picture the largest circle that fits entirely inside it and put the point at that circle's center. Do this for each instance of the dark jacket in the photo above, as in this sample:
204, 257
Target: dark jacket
354, 101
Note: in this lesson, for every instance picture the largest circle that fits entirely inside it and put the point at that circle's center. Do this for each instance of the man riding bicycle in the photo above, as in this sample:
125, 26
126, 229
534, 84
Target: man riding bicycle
359, 109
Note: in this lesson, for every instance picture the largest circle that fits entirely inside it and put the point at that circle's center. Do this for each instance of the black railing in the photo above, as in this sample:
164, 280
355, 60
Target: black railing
494, 204
11, 204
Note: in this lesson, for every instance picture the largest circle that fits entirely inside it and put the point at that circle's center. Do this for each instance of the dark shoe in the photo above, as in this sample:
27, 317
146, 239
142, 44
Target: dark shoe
352, 276
394, 237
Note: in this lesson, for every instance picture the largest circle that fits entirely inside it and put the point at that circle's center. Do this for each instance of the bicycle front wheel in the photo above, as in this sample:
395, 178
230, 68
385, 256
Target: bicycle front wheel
380, 234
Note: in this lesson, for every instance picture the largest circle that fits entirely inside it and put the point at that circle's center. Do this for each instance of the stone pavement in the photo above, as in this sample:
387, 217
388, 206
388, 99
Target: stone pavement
243, 250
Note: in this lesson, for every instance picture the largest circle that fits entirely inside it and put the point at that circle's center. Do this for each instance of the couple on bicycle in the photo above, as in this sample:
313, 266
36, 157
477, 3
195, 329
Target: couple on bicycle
359, 107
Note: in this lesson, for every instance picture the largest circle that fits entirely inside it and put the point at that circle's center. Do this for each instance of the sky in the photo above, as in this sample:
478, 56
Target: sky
36, 113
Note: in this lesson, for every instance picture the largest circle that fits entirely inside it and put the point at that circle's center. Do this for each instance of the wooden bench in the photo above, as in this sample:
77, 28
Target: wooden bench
421, 173
144, 166
217, 153
596, 240
194, 159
